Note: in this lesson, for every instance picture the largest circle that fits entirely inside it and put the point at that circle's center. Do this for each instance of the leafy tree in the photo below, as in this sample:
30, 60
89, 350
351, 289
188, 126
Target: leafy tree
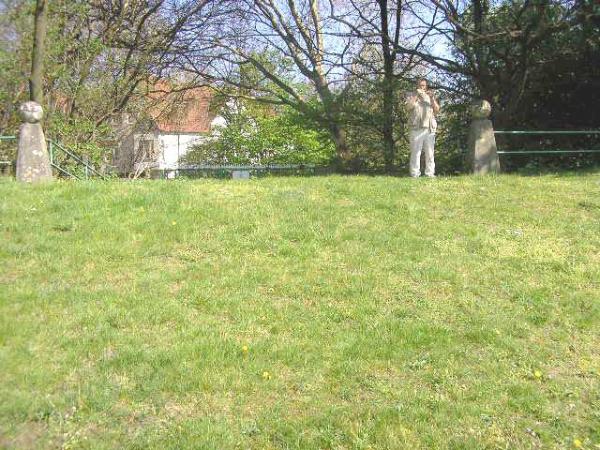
102, 59
256, 134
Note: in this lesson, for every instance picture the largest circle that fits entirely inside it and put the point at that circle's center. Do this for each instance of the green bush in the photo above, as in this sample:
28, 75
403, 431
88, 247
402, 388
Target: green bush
264, 138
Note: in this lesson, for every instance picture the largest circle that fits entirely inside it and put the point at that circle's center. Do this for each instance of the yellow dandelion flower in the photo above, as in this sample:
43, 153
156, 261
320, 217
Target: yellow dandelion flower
173, 223
537, 374
245, 349
266, 375
577, 443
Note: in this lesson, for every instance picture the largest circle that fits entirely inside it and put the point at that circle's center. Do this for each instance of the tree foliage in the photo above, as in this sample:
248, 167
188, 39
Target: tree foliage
255, 134
102, 58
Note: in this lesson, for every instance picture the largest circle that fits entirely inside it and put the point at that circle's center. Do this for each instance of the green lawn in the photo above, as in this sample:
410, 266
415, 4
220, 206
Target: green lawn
342, 313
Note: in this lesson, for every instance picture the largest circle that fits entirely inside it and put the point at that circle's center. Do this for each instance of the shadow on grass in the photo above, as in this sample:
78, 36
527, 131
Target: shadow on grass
567, 172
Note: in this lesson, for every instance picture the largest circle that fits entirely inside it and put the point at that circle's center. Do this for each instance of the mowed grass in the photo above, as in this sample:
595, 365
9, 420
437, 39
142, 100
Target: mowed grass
301, 313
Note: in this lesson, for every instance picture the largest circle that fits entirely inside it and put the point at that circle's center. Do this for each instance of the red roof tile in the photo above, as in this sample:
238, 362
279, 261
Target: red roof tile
185, 111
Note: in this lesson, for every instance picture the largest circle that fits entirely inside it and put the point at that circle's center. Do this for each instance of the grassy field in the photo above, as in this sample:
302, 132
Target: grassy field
342, 313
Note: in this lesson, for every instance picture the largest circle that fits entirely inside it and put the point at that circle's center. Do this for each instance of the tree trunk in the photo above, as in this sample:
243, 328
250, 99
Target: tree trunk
36, 92
389, 149
341, 143
330, 103
331, 110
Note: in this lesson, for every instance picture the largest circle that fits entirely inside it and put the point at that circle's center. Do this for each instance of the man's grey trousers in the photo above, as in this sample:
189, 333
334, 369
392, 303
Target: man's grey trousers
422, 139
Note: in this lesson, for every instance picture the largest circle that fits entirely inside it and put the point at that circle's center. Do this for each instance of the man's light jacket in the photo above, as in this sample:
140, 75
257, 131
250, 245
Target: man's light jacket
421, 112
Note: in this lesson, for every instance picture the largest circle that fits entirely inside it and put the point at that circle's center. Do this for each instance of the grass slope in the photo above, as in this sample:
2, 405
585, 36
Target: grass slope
343, 313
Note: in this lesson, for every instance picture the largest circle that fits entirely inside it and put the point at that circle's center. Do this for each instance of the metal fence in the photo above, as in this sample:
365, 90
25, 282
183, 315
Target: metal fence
63, 160
6, 163
68, 163
547, 133
239, 171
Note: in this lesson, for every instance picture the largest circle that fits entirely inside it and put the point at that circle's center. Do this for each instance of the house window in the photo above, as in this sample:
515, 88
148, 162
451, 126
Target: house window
145, 147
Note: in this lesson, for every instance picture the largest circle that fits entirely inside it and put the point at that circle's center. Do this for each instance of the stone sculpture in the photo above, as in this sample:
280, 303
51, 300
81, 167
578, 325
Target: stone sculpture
482, 143
33, 163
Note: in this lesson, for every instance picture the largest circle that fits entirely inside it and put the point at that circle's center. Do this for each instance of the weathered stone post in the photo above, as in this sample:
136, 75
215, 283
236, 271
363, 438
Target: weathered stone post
33, 163
482, 143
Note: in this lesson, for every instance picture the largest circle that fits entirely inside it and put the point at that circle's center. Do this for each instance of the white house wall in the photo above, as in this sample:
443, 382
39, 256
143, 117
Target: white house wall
174, 146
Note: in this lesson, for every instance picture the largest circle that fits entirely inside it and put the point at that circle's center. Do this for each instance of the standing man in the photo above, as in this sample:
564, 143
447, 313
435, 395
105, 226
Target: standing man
422, 107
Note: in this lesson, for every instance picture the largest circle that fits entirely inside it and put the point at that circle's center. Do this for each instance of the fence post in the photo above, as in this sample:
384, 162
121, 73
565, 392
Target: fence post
482, 143
86, 163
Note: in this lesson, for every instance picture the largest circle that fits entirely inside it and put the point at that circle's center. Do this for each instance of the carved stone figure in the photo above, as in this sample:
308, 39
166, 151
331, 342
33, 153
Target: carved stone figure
33, 163
482, 143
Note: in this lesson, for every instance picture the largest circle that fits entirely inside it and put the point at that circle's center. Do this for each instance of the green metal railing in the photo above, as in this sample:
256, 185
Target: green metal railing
547, 152
4, 164
55, 148
59, 156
